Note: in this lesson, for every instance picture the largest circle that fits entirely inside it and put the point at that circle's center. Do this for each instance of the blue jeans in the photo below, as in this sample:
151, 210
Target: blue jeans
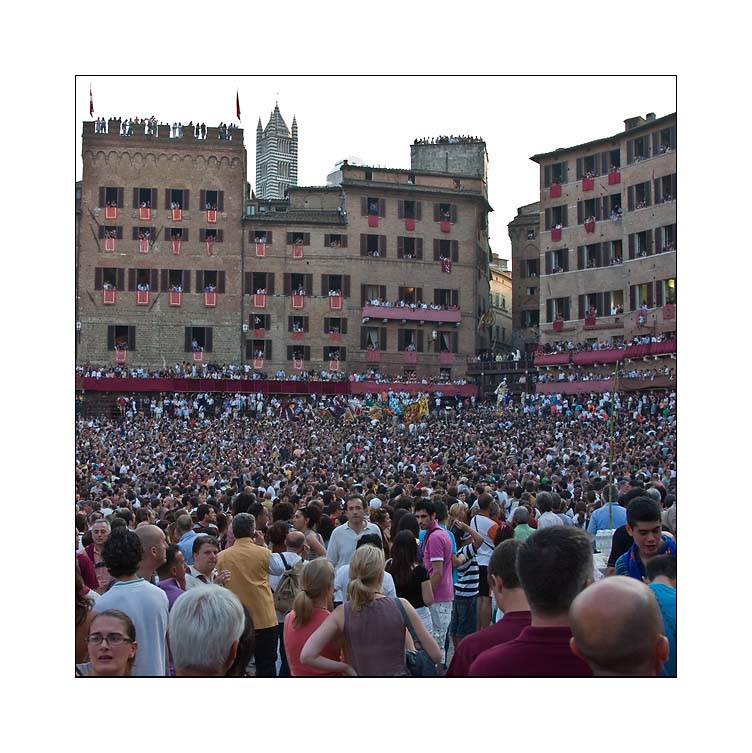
464, 617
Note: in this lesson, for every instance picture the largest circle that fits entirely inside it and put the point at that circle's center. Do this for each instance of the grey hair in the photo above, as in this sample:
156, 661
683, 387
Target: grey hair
654, 493
204, 623
520, 515
243, 525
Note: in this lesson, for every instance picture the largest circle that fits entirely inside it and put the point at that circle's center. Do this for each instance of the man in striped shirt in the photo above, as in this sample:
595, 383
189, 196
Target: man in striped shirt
466, 586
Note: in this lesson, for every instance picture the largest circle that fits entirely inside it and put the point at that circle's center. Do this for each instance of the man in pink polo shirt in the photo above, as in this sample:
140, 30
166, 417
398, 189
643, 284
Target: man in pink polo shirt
436, 555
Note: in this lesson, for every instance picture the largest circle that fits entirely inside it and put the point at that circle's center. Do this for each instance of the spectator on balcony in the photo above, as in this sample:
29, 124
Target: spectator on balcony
261, 291
143, 287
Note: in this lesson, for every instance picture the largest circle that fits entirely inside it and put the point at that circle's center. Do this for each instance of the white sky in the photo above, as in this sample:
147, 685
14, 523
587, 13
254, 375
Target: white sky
376, 118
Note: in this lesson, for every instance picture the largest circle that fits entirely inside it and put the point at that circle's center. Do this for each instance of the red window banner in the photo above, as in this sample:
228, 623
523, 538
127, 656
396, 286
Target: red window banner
555, 191
298, 301
558, 325
211, 216
210, 298
669, 312
174, 298
335, 302
335, 337
590, 226
177, 215
176, 247
446, 266
258, 364
555, 233
109, 244
297, 251
261, 250
409, 224
259, 300
333, 365
373, 356
109, 297
198, 356
297, 364
373, 220
121, 355
110, 213
144, 213
445, 226
143, 246
614, 178
259, 332
142, 298
588, 184
298, 335
446, 359
410, 356
590, 320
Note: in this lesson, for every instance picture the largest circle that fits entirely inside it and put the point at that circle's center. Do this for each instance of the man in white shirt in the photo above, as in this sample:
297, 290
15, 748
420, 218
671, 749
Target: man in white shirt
483, 523
203, 570
544, 502
344, 539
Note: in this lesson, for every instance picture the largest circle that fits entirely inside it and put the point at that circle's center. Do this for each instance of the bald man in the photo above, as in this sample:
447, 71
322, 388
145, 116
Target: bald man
617, 629
155, 545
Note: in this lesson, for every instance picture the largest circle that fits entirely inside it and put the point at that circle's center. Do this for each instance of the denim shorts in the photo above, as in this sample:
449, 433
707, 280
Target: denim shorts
464, 619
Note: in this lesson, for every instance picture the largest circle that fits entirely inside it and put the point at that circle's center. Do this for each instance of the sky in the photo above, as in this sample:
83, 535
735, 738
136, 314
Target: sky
376, 118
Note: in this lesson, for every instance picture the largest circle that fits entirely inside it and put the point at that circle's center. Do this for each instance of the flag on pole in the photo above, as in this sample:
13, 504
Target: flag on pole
237, 103
91, 102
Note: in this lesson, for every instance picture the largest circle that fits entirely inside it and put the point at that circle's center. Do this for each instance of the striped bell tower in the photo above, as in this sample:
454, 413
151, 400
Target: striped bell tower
276, 156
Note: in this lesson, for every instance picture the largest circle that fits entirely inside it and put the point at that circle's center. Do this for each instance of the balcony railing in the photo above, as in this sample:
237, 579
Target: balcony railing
414, 315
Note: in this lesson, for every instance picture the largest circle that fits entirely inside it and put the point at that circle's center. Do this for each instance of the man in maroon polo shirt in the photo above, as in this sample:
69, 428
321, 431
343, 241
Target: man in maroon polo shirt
553, 565
511, 600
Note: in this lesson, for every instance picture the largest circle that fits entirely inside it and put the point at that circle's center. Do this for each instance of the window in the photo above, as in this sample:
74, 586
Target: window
298, 239
612, 206
409, 248
530, 318
640, 244
444, 212
556, 216
145, 198
283, 145
664, 140
334, 353
638, 196
212, 234
121, 336
298, 352
141, 233
109, 196
637, 149
110, 231
213, 200
333, 285
610, 160
665, 239
409, 210
334, 325
176, 198
373, 205
409, 340
369, 174
175, 280
410, 295
555, 173
446, 297
297, 324
109, 278
210, 281
557, 261
588, 210
177, 233
260, 236
588, 167
198, 339
372, 245
283, 169
335, 240
296, 283
531, 268
258, 348
557, 308
259, 321
531, 233
443, 249
373, 338
370, 293
590, 257
665, 189
641, 295
530, 291
143, 279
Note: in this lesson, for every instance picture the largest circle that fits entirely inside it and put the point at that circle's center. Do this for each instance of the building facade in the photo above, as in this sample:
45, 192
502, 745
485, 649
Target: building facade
276, 157
501, 305
159, 265
607, 236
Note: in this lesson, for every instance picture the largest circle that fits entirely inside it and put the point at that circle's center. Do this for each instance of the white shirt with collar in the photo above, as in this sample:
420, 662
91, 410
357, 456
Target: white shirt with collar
342, 579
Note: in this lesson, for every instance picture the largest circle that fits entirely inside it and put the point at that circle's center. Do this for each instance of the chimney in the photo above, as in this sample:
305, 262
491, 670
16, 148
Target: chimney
631, 123
650, 116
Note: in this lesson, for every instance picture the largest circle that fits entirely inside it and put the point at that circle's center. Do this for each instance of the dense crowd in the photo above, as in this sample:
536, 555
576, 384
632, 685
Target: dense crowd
579, 347
239, 541
448, 140
150, 127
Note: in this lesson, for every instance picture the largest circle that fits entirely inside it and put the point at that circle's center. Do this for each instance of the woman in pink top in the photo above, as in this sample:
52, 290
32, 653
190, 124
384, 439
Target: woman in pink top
309, 610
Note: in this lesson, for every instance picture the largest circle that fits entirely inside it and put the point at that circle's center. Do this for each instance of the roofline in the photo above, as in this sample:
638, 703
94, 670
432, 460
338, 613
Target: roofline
403, 188
429, 173
606, 140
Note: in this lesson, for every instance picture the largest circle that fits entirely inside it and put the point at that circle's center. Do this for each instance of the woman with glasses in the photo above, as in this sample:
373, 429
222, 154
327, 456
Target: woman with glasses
112, 645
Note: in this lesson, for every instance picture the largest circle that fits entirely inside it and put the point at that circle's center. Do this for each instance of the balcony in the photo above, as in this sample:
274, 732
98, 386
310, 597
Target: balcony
550, 359
410, 357
588, 357
446, 359
398, 313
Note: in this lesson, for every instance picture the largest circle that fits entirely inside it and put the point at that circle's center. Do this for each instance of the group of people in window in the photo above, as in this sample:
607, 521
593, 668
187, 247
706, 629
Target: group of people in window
410, 305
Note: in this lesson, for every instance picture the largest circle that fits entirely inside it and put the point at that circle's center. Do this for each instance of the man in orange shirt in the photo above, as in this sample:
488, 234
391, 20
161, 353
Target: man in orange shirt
250, 564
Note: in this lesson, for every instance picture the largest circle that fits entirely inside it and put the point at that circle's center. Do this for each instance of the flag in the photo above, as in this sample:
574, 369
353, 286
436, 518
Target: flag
91, 102
237, 103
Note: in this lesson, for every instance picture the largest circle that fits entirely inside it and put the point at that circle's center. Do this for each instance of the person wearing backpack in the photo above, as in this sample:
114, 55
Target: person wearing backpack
285, 587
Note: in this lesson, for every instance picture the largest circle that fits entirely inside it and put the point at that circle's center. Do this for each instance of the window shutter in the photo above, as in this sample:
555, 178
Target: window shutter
600, 304
324, 285
199, 281
102, 194
547, 176
436, 215
120, 279
248, 283
307, 352
456, 298
382, 207
363, 296
548, 219
98, 278
650, 295
455, 250
343, 326
121, 198
119, 232
221, 282
382, 245
270, 283
186, 281
186, 196
419, 295
220, 235
455, 340
363, 245
134, 231
580, 168
154, 279
308, 284
101, 232
363, 206
346, 289
343, 241
110, 337
187, 345
630, 152
581, 301
221, 202
268, 349
436, 247
400, 247
419, 248
202, 200
289, 352
598, 210
549, 310
453, 213
209, 339
153, 231
673, 185
131, 338
286, 284
580, 213
202, 234
289, 323
420, 341
167, 198
363, 338
657, 190
400, 340
154, 198
131, 280
418, 211
400, 209
164, 286
305, 324
135, 198
382, 338
630, 199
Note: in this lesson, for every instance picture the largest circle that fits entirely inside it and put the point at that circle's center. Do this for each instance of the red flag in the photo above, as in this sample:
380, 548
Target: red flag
91, 103
237, 103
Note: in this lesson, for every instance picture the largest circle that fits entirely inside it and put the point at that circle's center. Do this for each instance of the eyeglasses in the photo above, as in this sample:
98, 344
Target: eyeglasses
113, 639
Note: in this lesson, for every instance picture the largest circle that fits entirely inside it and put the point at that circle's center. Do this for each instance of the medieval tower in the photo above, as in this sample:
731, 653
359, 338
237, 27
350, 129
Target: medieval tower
276, 157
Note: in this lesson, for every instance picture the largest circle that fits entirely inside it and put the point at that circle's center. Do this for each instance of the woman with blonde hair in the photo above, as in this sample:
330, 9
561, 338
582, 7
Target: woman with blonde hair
370, 624
309, 610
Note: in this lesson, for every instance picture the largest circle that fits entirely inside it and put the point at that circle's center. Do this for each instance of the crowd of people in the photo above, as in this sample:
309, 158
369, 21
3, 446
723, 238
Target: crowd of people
301, 545
449, 140
412, 305
577, 375
615, 344
151, 128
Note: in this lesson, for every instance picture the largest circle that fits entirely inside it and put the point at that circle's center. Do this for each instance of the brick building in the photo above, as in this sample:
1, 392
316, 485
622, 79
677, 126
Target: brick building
160, 223
372, 235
